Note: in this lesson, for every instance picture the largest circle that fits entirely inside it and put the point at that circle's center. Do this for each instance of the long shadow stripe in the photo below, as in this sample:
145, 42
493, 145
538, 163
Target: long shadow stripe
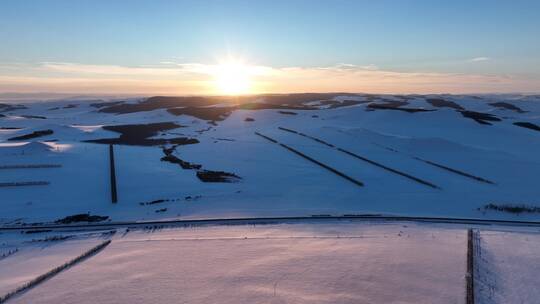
429, 162
406, 175
341, 174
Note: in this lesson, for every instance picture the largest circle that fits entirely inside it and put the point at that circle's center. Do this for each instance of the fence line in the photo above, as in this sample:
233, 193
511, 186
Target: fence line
22, 184
51, 273
469, 277
37, 166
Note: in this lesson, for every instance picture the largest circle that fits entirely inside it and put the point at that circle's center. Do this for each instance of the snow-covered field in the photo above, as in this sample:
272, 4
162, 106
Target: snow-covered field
274, 181
312, 262
300, 263
508, 268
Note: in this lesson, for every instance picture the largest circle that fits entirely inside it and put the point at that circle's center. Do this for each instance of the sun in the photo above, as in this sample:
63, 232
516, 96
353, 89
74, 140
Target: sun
232, 78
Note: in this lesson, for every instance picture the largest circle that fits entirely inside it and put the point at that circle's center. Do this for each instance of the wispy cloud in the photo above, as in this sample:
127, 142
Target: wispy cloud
198, 78
478, 59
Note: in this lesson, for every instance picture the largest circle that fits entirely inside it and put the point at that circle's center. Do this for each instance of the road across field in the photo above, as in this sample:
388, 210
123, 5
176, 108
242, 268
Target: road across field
271, 220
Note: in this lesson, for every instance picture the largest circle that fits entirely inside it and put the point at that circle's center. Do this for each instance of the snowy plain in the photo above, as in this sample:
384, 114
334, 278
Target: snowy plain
312, 262
287, 263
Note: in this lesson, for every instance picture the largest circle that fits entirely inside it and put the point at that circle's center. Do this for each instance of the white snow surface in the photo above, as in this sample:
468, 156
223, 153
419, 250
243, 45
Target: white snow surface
36, 258
508, 267
276, 182
286, 263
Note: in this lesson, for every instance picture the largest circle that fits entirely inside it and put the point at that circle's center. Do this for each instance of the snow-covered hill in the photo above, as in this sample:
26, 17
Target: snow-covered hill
199, 157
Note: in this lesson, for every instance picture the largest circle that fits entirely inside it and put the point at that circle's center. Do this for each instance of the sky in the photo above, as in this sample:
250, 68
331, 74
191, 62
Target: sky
189, 47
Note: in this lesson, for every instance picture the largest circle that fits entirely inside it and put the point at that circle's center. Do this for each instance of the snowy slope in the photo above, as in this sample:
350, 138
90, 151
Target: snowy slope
400, 132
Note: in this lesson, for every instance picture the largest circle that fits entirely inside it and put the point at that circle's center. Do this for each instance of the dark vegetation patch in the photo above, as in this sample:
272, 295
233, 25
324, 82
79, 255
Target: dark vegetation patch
4, 107
34, 116
201, 131
54, 238
479, 117
512, 208
507, 106
333, 104
9, 128
287, 113
159, 201
37, 231
53, 109
24, 184
300, 99
161, 210
443, 103
138, 135
8, 253
164, 102
83, 217
204, 113
169, 157
34, 134
193, 198
198, 106
249, 119
269, 106
527, 125
389, 104
217, 176
223, 139
204, 175
395, 105
106, 104
70, 106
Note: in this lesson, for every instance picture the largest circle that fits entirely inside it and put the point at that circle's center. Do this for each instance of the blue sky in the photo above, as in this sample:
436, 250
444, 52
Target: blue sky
474, 37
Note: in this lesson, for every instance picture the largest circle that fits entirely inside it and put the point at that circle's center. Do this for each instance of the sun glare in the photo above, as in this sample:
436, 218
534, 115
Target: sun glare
232, 78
